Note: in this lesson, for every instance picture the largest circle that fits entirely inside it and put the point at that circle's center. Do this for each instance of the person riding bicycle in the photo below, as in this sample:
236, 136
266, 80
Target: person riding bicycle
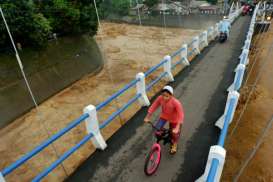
225, 26
171, 111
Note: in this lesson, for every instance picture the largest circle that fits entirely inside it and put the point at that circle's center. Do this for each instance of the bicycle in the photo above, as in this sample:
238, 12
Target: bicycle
153, 158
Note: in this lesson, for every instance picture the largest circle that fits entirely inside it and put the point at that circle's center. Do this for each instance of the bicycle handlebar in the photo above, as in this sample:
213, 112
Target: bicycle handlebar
154, 127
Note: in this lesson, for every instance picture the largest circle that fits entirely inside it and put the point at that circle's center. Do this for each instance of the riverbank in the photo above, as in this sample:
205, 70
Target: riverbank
48, 70
251, 119
128, 49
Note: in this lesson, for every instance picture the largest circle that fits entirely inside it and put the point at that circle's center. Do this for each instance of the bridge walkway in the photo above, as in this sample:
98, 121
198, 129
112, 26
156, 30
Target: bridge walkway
202, 89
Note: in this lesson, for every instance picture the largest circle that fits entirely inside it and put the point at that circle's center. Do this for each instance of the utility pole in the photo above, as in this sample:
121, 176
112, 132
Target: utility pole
18, 58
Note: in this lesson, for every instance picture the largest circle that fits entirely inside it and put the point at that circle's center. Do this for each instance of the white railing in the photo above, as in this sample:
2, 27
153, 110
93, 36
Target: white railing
89, 116
217, 153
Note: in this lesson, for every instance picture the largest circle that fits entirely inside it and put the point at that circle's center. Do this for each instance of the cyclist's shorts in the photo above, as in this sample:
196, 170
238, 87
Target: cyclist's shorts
160, 123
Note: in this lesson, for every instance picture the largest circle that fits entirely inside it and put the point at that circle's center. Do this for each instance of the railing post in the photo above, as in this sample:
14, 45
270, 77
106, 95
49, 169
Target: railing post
168, 68
2, 179
216, 152
195, 45
216, 30
141, 89
231, 95
206, 37
247, 44
250, 32
184, 55
210, 33
244, 57
240, 69
92, 126
249, 36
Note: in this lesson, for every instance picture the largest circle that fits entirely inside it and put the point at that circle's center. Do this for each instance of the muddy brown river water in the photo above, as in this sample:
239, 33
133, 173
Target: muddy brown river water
128, 49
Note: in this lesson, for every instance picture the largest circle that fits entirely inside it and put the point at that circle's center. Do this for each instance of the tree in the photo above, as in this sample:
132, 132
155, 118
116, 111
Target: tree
212, 1
32, 21
121, 6
150, 3
27, 26
71, 17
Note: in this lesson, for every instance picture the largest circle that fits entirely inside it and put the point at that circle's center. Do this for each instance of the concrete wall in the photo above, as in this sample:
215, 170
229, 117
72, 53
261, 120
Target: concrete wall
192, 21
15, 99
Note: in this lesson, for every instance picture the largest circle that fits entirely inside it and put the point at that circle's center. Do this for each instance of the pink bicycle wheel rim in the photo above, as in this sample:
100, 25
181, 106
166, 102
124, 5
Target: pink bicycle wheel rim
156, 163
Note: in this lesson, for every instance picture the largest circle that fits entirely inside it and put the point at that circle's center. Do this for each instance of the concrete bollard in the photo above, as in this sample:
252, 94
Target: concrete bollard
141, 89
92, 126
168, 68
184, 55
196, 45
236, 85
219, 153
231, 95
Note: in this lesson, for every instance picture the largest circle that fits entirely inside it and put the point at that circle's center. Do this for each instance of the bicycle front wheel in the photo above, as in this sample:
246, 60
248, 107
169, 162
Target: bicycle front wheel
152, 161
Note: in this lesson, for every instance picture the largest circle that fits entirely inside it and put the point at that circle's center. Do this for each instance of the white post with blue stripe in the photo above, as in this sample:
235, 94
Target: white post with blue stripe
210, 33
205, 37
141, 89
216, 30
2, 179
231, 95
251, 30
168, 68
244, 57
249, 36
218, 153
247, 44
92, 126
238, 79
195, 45
184, 55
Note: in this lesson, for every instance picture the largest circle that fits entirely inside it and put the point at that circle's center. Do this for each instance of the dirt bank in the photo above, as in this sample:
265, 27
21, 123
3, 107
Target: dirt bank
254, 120
128, 49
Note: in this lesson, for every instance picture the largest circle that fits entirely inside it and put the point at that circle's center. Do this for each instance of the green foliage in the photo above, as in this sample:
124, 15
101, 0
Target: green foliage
33, 21
40, 30
26, 26
150, 3
121, 6
212, 1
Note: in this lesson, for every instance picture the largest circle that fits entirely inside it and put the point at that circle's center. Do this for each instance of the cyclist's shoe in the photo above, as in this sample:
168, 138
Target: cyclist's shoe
173, 149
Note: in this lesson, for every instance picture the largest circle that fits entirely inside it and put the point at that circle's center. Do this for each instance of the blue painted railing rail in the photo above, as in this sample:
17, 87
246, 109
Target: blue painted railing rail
215, 164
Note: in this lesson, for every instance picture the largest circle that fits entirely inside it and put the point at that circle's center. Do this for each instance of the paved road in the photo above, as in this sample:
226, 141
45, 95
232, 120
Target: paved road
201, 87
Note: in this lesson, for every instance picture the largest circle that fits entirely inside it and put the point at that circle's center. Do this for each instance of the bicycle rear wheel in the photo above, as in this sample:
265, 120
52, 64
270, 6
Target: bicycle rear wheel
152, 161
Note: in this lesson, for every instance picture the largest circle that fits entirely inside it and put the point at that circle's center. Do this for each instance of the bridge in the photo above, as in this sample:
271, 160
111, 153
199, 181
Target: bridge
209, 91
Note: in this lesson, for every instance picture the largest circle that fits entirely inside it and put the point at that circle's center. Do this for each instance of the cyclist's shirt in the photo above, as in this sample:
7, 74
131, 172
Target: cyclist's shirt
224, 26
171, 110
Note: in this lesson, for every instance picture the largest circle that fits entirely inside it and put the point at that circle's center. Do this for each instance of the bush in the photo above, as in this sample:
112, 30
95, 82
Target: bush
150, 3
26, 26
32, 22
121, 6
